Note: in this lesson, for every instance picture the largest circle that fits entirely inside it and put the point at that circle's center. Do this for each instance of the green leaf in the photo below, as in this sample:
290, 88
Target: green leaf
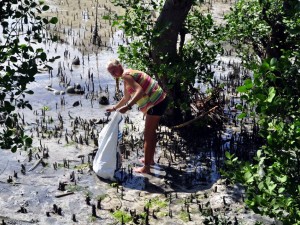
106, 17
39, 50
242, 89
265, 66
248, 177
261, 185
269, 138
115, 23
14, 148
228, 155
53, 20
28, 141
248, 83
273, 61
239, 107
8, 122
13, 59
271, 95
33, 5
242, 115
43, 56
30, 92
271, 187
45, 21
280, 190
258, 153
4, 23
45, 8
282, 179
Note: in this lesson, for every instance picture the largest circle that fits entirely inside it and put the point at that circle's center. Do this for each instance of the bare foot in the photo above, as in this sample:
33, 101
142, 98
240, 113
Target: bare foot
144, 169
142, 160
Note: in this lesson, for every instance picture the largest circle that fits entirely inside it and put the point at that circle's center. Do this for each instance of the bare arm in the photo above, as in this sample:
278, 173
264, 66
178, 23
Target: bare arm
127, 100
139, 92
122, 102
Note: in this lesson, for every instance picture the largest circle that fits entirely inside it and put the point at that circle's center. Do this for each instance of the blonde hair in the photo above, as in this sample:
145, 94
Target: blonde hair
113, 63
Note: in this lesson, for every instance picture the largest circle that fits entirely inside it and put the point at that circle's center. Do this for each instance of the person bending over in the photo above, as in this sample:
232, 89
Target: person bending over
141, 89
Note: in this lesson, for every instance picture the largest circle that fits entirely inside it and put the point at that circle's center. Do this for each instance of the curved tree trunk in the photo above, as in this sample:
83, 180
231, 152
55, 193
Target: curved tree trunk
169, 24
164, 46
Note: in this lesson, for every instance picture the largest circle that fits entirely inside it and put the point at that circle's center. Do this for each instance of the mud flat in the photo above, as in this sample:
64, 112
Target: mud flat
82, 24
52, 183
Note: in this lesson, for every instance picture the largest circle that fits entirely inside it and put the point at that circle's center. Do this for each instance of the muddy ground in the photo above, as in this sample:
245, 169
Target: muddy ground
56, 185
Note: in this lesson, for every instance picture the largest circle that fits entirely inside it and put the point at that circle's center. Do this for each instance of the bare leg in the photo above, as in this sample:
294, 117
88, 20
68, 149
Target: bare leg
151, 125
142, 160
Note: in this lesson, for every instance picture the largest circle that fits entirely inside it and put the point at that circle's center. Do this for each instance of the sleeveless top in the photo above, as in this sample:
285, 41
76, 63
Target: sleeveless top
154, 94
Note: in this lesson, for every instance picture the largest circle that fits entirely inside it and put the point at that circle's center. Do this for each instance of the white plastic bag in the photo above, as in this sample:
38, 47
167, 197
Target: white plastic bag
107, 160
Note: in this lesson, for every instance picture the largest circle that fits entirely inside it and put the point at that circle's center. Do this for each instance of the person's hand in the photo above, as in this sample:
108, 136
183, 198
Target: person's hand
111, 109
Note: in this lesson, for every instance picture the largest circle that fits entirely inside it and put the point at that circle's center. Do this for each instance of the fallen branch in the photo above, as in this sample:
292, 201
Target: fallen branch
63, 195
4, 168
195, 119
36, 164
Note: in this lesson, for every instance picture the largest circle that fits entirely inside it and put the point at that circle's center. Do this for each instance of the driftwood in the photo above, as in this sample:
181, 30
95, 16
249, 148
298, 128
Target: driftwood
195, 119
9, 220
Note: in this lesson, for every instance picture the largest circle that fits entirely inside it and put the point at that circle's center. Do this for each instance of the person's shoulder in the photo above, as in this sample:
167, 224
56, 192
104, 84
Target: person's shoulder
127, 72
132, 73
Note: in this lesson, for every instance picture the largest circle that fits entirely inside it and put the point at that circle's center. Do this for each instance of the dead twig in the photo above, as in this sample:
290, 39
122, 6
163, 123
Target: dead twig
195, 119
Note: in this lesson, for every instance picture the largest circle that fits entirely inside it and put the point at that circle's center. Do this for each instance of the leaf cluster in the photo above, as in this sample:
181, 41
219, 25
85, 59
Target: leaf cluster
272, 179
20, 58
